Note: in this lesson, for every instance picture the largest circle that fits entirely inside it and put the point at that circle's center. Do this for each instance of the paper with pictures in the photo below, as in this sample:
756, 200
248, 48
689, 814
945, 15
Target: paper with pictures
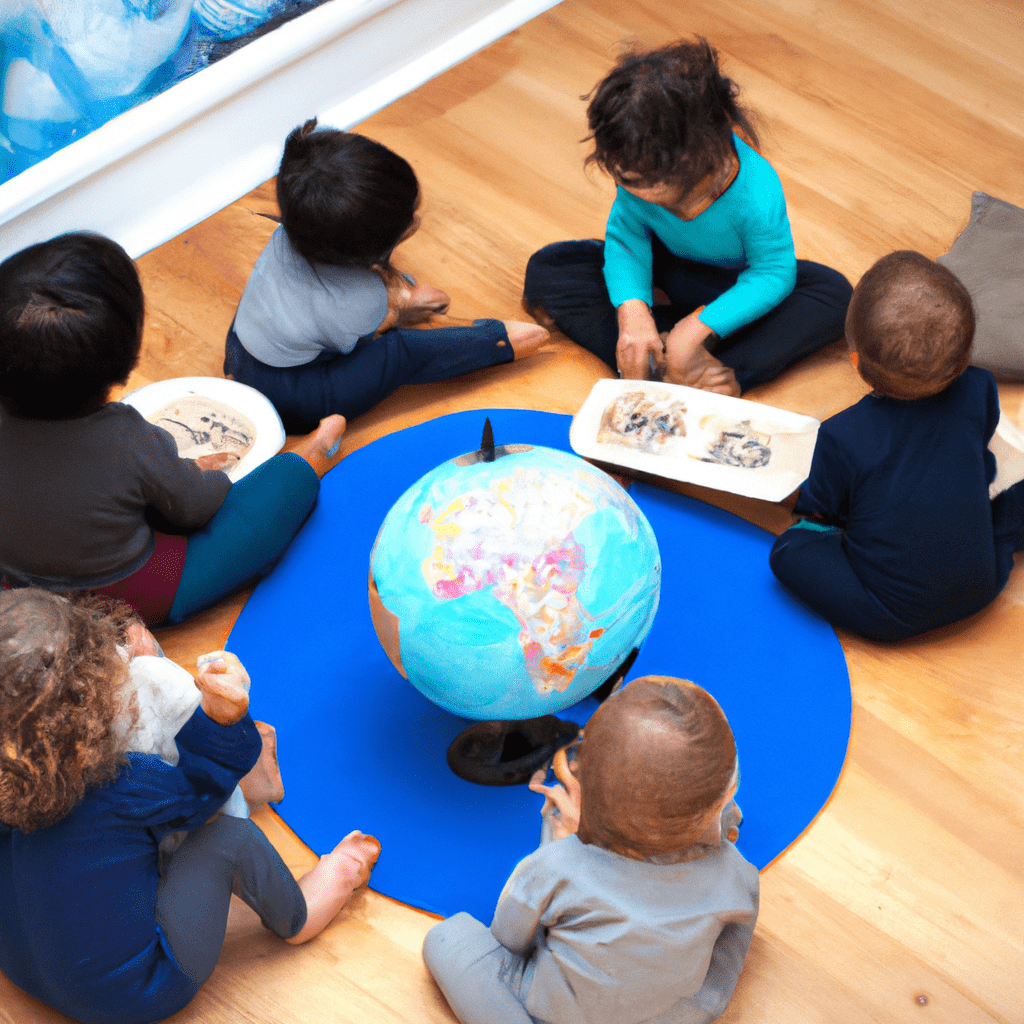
681, 433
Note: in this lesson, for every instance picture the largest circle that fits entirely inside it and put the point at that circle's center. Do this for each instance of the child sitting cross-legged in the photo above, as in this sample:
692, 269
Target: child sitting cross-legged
647, 911
899, 535
93, 920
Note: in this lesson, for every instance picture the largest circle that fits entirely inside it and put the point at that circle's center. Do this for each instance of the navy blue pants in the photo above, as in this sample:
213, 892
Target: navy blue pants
352, 384
812, 564
566, 279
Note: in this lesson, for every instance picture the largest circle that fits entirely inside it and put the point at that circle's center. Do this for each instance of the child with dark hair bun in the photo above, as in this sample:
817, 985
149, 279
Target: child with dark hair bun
696, 280
641, 909
899, 535
323, 324
93, 921
92, 495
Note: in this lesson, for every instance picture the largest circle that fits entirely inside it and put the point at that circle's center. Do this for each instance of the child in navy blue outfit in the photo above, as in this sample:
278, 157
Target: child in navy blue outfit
94, 921
900, 535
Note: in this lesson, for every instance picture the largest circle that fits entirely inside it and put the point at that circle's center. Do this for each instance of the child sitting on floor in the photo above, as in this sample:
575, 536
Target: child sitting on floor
901, 536
88, 922
700, 216
647, 912
84, 480
323, 323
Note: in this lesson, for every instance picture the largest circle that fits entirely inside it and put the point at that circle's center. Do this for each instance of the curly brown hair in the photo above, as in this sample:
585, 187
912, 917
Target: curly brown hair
666, 116
62, 702
654, 759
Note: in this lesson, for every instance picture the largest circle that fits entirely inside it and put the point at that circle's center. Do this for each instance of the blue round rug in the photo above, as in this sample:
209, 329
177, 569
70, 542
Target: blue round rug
360, 747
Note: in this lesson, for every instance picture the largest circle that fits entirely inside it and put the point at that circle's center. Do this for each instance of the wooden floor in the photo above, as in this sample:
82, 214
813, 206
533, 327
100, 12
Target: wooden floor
905, 899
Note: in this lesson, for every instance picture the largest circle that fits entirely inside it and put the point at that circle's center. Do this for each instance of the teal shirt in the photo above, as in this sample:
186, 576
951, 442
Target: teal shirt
746, 229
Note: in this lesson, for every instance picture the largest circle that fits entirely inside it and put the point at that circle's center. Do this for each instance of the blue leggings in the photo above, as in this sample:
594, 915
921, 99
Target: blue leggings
566, 280
247, 535
352, 384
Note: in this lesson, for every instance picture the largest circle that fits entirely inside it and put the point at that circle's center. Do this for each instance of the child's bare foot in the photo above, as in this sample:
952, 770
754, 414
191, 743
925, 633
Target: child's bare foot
320, 447
336, 876
264, 785
706, 372
420, 302
524, 338
540, 314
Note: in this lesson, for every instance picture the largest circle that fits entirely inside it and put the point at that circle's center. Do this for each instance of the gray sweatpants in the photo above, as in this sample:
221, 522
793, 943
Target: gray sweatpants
224, 856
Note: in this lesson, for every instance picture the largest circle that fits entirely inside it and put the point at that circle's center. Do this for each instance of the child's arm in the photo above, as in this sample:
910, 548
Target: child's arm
519, 910
757, 213
638, 340
185, 495
562, 802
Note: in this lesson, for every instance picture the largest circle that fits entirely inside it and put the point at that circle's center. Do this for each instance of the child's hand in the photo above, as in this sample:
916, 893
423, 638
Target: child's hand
562, 802
224, 684
218, 460
638, 340
141, 642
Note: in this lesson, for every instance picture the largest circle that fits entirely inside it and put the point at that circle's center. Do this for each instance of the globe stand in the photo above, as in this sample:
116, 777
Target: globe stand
507, 753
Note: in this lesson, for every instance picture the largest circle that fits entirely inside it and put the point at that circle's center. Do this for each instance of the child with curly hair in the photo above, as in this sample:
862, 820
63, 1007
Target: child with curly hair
325, 322
92, 495
89, 922
696, 280
898, 534
642, 909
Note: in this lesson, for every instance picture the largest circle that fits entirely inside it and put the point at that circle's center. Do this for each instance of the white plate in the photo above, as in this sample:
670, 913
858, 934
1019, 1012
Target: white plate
791, 440
248, 401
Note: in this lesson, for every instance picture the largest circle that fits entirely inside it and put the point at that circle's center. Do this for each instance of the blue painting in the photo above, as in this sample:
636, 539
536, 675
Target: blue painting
69, 66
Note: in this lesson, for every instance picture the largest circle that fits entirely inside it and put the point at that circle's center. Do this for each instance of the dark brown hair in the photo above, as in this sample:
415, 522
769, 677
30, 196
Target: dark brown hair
654, 759
345, 200
666, 116
71, 314
912, 324
61, 695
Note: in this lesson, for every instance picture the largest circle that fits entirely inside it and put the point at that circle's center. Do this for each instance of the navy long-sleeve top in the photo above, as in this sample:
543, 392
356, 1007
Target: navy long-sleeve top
908, 484
77, 899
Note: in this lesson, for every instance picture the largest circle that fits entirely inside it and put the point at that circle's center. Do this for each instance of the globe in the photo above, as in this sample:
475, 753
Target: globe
513, 588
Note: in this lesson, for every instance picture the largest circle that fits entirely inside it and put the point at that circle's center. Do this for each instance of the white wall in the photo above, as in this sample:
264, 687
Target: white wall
154, 171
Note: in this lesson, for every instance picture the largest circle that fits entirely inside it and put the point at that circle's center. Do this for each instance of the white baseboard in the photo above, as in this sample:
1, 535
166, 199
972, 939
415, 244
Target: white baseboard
163, 166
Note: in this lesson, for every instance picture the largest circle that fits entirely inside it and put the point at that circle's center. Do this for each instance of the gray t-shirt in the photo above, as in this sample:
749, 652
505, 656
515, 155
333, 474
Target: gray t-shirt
291, 310
74, 495
609, 938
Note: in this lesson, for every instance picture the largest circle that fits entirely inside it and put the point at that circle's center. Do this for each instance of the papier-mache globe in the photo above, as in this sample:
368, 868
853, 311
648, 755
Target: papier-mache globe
513, 588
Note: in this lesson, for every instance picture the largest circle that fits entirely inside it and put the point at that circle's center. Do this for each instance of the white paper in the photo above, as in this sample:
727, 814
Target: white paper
788, 436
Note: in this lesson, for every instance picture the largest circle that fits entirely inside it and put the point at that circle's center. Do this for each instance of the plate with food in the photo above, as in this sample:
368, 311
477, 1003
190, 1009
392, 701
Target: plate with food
221, 423
695, 436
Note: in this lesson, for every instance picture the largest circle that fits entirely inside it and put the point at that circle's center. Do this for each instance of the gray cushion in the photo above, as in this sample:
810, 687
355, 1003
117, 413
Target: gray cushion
988, 257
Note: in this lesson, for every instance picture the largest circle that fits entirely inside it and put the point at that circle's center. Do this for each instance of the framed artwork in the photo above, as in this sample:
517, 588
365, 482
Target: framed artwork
69, 66
139, 118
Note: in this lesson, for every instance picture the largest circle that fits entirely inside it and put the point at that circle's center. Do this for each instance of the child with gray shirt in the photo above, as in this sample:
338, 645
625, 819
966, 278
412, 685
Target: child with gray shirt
643, 909
322, 326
